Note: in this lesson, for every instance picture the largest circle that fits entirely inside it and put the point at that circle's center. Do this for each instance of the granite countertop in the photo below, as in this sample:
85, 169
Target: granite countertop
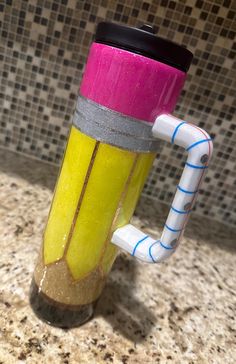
181, 311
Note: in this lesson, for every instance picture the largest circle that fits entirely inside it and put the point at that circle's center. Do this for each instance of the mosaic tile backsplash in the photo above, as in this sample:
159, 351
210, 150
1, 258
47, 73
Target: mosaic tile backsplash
43, 50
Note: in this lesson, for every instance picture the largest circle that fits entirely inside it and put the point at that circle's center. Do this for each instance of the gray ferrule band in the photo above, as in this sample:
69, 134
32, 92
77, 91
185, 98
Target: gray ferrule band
113, 128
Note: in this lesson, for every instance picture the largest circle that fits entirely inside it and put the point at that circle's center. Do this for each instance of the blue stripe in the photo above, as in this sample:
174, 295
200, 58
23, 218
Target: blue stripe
174, 230
176, 130
179, 211
194, 166
140, 241
166, 247
199, 142
150, 248
186, 191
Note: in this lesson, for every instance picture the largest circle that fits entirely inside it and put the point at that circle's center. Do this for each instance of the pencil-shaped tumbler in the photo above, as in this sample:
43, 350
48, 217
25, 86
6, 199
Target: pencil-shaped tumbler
130, 86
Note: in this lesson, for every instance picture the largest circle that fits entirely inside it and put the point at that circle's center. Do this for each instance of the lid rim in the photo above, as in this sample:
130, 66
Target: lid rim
136, 51
145, 43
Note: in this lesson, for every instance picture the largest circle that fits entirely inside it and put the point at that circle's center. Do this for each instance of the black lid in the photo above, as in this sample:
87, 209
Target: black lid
143, 41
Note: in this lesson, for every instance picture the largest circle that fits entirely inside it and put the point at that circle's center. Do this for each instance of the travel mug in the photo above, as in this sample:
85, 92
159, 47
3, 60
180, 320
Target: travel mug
129, 89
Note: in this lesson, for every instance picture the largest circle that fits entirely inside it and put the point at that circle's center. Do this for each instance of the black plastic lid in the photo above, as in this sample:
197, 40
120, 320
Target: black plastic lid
144, 42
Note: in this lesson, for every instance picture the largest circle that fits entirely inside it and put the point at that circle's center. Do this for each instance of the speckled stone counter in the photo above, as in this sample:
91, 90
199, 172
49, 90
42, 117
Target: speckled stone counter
181, 311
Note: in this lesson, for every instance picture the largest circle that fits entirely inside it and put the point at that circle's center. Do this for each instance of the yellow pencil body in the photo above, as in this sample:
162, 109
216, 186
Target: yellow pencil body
97, 191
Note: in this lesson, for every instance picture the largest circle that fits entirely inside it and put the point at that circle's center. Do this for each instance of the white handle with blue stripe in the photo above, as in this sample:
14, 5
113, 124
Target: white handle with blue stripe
199, 146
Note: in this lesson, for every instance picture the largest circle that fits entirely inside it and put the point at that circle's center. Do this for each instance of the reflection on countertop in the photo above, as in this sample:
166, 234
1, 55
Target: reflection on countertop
181, 311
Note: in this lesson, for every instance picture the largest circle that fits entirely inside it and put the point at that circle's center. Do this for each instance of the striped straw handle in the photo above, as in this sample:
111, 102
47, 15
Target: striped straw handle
199, 146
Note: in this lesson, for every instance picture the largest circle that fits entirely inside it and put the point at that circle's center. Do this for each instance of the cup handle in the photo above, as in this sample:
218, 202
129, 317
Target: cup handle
199, 146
